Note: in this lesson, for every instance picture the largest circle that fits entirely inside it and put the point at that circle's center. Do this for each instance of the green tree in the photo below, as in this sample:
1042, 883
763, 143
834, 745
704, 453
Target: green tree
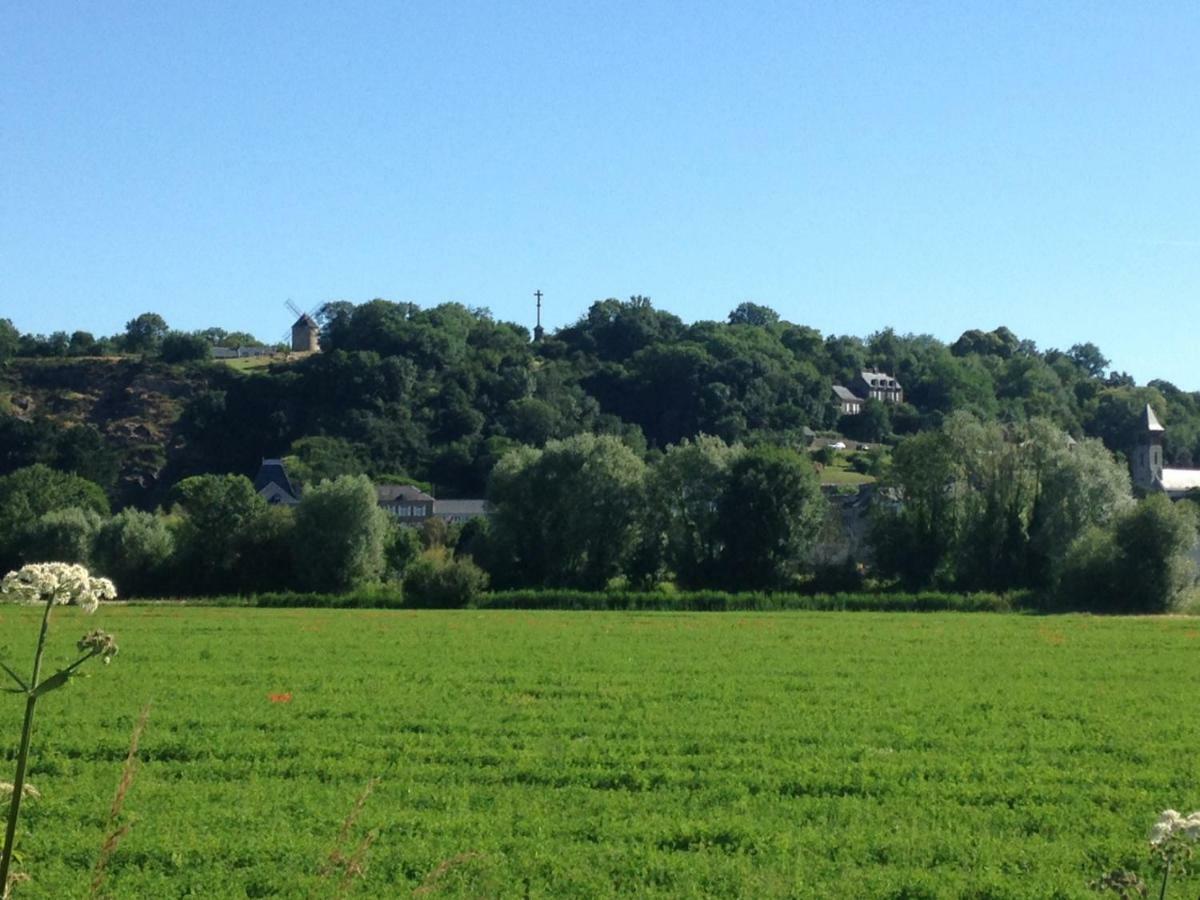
29, 493
873, 423
322, 458
681, 516
978, 506
1078, 485
145, 333
340, 535
64, 535
135, 549
1089, 358
768, 515
914, 534
753, 314
181, 347
217, 512
10, 339
402, 547
567, 515
437, 580
266, 551
1139, 564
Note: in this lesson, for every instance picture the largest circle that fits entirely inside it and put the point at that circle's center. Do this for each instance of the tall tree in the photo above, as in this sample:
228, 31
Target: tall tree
567, 515
768, 517
340, 535
145, 333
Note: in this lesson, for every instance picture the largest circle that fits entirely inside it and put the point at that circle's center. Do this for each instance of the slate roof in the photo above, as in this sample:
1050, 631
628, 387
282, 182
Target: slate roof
460, 507
879, 380
1180, 480
272, 472
406, 493
1150, 420
845, 394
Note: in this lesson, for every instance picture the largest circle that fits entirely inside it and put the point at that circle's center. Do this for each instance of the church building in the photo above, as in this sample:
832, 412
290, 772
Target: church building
1149, 473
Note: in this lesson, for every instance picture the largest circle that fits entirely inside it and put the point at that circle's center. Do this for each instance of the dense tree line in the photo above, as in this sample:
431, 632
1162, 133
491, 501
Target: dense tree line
145, 335
438, 395
630, 446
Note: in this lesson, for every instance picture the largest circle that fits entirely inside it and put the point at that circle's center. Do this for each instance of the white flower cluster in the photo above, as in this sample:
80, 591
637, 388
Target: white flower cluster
6, 791
1172, 823
58, 583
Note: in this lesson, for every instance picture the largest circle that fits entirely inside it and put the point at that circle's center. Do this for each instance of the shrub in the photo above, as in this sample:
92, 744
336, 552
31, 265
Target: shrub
134, 549
1139, 564
437, 581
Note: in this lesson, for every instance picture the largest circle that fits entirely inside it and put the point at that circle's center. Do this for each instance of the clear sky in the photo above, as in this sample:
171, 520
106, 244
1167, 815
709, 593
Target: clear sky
932, 167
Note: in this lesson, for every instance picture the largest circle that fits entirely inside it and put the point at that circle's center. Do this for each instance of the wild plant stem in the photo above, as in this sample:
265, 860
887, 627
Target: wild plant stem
1162, 891
14, 806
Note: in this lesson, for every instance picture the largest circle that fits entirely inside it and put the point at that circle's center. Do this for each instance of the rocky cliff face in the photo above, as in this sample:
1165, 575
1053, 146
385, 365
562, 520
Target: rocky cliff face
134, 406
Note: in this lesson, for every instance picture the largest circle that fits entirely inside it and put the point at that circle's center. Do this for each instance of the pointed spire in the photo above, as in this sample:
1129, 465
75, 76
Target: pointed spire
1150, 420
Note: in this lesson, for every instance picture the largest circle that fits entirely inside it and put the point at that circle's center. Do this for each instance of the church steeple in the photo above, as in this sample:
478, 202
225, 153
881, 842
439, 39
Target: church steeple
1148, 454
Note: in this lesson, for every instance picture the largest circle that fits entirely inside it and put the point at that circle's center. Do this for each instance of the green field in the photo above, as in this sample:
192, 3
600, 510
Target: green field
553, 754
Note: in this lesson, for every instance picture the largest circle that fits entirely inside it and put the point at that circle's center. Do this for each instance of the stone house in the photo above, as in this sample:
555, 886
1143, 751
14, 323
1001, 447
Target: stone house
848, 403
872, 384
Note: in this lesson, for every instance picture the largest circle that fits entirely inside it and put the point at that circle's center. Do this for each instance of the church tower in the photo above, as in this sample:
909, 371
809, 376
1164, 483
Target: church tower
1148, 454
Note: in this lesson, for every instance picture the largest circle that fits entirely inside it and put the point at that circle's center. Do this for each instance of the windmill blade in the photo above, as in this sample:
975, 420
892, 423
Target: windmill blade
293, 308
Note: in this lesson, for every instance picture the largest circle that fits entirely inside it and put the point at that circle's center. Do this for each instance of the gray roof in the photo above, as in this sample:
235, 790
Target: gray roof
391, 493
844, 393
879, 379
272, 472
1150, 420
1176, 480
460, 507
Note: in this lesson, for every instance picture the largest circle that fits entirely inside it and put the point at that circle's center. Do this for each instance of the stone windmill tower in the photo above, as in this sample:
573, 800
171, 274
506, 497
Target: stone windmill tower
305, 331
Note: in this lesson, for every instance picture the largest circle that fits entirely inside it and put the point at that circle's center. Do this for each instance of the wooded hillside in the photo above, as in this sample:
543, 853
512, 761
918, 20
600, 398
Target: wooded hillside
439, 395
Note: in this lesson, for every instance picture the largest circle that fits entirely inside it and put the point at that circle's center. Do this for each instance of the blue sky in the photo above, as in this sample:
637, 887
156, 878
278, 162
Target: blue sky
932, 167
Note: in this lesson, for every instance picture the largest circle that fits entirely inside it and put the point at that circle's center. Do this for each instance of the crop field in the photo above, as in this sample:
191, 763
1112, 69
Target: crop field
570, 754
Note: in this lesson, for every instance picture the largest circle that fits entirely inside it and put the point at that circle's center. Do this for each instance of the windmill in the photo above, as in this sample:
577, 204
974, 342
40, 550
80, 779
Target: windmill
304, 334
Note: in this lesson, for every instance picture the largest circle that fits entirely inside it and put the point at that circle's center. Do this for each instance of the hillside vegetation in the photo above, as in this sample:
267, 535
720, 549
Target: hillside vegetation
440, 394
627, 450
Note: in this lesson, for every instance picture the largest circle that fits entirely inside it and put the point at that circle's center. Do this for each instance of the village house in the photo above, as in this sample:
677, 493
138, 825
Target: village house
410, 505
848, 403
458, 511
405, 503
274, 486
240, 352
868, 384
872, 384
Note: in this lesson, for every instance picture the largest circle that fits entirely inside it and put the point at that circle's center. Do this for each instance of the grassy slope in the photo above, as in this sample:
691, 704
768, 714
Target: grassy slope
585, 754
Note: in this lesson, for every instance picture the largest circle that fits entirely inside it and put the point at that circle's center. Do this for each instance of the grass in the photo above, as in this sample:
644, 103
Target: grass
250, 362
840, 472
559, 754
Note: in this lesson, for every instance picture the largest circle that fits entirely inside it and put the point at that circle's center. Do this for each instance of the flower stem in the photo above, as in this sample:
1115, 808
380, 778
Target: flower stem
1162, 891
14, 806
